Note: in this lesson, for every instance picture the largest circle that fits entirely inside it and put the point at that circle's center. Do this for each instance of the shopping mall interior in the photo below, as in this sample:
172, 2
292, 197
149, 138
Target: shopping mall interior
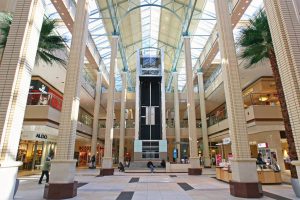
149, 99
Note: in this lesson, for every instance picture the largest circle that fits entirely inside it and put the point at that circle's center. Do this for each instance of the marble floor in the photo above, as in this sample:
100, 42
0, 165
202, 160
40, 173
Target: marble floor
147, 186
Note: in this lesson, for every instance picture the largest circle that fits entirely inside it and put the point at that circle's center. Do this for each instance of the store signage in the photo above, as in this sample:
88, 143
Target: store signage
37, 85
41, 136
262, 145
39, 133
226, 140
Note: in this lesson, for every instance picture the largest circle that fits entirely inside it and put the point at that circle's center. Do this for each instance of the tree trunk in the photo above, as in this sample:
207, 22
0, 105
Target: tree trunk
285, 115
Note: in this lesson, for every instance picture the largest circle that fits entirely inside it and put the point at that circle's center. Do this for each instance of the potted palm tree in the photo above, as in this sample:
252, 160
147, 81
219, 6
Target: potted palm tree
49, 41
256, 41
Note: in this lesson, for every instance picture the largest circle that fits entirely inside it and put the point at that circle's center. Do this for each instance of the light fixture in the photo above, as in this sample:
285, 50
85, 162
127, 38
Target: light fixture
263, 98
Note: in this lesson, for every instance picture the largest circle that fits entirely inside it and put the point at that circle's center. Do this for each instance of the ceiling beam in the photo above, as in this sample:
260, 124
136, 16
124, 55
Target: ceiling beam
115, 23
184, 31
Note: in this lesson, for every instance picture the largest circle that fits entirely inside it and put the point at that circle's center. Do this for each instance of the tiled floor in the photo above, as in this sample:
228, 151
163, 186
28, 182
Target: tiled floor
155, 186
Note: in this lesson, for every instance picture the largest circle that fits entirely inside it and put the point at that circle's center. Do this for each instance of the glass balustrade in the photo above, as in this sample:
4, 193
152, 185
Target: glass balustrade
267, 99
39, 98
213, 77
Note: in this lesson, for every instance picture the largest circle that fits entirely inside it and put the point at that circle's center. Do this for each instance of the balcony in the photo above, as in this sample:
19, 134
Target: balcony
88, 84
46, 108
262, 112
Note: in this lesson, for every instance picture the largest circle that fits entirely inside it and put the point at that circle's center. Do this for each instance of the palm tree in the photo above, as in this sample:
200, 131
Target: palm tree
256, 41
49, 42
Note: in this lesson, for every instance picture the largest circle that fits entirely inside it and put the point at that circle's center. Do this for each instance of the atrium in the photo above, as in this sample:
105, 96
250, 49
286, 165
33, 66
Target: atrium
149, 99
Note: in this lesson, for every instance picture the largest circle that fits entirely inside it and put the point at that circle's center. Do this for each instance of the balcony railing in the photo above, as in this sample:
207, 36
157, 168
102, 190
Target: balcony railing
261, 99
39, 98
266, 99
212, 77
217, 116
85, 118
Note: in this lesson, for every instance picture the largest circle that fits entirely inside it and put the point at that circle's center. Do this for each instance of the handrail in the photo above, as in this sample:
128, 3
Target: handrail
39, 98
213, 77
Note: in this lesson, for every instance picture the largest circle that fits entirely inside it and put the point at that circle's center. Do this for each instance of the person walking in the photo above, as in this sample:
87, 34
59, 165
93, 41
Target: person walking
45, 170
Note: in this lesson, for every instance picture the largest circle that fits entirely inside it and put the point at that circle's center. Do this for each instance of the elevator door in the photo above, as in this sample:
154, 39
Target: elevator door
150, 110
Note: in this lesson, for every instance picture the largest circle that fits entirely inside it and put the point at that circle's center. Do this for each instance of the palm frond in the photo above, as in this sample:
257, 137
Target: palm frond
49, 42
255, 39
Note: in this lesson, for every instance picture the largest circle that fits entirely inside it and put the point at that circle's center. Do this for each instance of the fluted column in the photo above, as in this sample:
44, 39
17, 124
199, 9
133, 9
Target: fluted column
15, 75
176, 115
203, 121
96, 114
109, 130
243, 167
63, 166
194, 159
122, 120
284, 21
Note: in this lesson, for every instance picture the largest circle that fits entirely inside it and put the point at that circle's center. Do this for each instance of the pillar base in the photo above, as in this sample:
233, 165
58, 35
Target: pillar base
107, 171
8, 174
207, 166
194, 171
245, 190
60, 190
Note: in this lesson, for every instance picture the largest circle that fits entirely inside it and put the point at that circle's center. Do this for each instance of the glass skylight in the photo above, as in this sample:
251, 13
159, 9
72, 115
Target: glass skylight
150, 19
198, 39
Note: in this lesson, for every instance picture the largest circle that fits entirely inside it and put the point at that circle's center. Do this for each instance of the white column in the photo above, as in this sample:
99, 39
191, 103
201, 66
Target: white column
122, 116
96, 114
45, 152
63, 165
194, 159
284, 21
109, 130
243, 167
137, 96
163, 96
176, 115
203, 121
15, 75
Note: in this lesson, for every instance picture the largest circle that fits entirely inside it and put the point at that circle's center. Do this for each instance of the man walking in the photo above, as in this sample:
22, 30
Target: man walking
45, 170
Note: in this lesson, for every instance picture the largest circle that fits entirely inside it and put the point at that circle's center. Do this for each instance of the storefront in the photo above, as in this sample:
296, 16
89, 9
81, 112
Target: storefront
36, 143
83, 152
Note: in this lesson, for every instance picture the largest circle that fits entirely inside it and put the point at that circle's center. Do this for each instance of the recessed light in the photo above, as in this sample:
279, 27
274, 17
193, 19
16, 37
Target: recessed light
62, 13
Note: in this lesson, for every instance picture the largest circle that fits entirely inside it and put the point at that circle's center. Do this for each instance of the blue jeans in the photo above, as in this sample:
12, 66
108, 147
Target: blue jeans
152, 168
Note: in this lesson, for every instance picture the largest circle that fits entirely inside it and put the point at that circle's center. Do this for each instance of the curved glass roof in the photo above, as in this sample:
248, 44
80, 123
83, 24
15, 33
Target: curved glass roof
148, 25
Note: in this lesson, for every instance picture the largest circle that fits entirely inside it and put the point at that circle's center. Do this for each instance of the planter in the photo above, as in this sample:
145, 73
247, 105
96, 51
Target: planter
296, 186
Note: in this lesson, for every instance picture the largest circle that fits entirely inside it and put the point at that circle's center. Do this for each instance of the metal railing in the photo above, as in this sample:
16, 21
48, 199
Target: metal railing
85, 118
213, 77
49, 99
217, 116
270, 99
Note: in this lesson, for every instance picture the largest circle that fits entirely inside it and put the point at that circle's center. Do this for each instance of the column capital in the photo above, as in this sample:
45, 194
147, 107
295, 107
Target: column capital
200, 73
186, 36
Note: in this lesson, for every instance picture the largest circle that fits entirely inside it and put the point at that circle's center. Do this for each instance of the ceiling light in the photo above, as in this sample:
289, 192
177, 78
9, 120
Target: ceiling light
62, 13
263, 98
